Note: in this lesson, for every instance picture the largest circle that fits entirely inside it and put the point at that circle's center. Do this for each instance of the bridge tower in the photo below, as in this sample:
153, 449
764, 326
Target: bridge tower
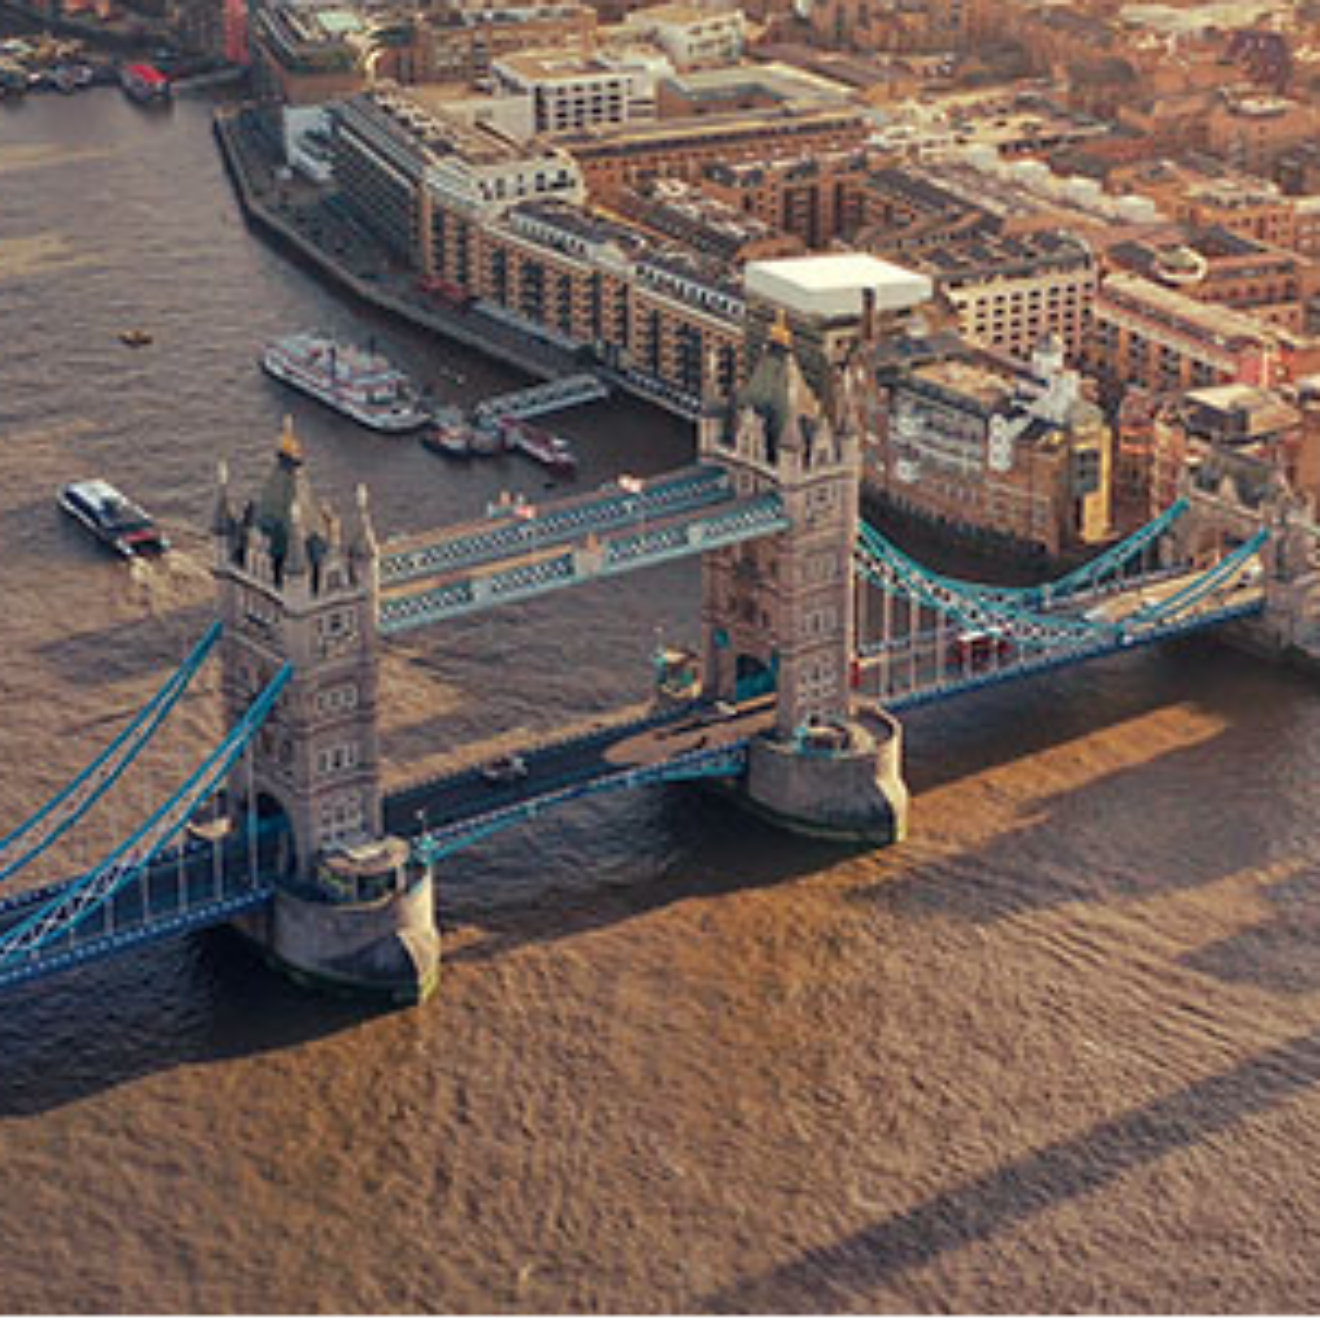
1232, 496
778, 614
350, 908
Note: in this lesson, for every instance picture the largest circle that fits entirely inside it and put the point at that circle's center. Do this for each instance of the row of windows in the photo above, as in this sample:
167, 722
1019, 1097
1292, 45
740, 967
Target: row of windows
822, 568
1033, 297
337, 623
341, 756
340, 817
822, 622
342, 697
818, 681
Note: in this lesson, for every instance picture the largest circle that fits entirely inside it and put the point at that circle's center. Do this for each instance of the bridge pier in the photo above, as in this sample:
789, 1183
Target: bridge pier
844, 784
369, 930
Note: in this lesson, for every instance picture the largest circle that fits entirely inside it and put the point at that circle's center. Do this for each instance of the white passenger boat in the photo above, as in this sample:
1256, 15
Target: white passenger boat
356, 382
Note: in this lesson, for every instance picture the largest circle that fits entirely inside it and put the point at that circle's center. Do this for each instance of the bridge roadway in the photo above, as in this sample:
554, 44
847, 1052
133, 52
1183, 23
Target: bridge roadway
694, 735
211, 882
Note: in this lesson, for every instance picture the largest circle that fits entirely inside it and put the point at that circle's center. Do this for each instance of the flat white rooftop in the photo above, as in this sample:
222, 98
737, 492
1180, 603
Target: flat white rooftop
831, 286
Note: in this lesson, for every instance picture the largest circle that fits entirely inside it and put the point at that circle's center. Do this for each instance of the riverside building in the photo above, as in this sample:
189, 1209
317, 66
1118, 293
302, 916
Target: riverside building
995, 451
423, 181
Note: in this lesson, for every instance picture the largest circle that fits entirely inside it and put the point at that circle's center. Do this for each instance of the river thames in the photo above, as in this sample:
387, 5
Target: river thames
1060, 1051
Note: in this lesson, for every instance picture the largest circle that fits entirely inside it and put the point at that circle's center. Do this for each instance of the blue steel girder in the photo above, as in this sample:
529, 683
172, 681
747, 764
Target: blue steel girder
1087, 575
1221, 574
1061, 633
698, 531
60, 917
32, 838
722, 762
1083, 578
973, 612
565, 521
1044, 662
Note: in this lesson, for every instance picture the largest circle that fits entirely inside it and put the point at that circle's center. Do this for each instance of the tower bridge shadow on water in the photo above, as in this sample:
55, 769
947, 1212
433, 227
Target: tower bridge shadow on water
1017, 1191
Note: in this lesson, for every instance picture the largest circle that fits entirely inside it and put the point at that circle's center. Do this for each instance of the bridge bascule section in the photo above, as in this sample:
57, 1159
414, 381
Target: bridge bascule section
791, 700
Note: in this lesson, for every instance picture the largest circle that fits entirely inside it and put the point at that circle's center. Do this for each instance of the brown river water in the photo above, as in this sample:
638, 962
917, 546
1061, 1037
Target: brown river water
1061, 1051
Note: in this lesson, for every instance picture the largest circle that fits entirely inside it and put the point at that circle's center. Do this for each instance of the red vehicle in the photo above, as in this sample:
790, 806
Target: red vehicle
144, 83
980, 649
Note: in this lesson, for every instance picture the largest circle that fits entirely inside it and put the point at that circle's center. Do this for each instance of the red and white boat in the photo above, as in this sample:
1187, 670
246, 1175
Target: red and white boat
144, 83
358, 383
551, 451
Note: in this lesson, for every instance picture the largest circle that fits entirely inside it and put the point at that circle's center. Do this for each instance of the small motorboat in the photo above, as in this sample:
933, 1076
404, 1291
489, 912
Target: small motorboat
551, 451
135, 338
453, 439
487, 438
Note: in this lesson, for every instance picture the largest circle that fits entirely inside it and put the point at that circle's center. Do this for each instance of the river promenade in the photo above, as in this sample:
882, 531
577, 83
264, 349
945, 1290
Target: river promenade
306, 219
319, 228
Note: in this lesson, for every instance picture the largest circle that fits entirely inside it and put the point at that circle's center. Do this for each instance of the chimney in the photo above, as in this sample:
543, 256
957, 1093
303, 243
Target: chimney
868, 316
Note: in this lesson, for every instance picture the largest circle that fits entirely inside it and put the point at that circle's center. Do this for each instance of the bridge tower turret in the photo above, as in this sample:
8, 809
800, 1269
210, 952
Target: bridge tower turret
295, 586
779, 615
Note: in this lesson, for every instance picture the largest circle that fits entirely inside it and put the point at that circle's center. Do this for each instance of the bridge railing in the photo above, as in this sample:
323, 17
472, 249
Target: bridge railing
536, 400
708, 763
692, 533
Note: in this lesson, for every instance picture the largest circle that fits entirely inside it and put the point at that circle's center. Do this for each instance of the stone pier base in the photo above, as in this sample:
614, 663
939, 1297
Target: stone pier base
385, 947
845, 785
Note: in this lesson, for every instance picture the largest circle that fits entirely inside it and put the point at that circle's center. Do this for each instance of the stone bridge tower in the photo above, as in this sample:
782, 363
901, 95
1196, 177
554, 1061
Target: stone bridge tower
778, 614
1232, 496
294, 586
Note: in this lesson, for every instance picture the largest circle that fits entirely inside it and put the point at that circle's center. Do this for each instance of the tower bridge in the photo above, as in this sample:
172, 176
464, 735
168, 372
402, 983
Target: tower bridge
815, 632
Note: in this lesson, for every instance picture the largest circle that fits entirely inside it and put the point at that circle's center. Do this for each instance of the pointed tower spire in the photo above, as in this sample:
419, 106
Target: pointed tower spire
222, 519
363, 544
295, 555
291, 450
223, 524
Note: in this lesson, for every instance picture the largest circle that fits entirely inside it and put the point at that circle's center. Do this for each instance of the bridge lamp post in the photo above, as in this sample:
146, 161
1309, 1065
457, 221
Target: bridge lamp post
527, 513
633, 486
424, 838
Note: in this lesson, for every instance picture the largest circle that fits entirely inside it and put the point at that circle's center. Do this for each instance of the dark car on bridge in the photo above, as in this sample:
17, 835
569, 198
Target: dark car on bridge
504, 770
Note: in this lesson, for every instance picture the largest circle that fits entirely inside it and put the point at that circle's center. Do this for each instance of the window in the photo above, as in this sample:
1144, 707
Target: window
343, 696
340, 756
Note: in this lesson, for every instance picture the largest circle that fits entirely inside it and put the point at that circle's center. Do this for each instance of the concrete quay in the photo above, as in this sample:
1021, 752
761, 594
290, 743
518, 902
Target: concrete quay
295, 212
